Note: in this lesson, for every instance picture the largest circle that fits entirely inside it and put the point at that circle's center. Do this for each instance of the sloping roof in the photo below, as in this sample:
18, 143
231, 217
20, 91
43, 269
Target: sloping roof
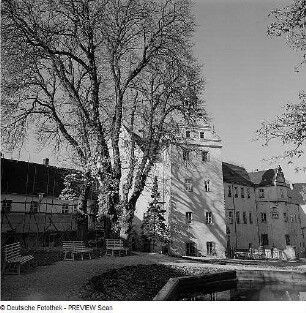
296, 193
31, 178
235, 174
263, 178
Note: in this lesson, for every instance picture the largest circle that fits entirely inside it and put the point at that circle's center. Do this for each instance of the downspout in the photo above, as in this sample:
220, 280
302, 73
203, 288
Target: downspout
234, 217
256, 209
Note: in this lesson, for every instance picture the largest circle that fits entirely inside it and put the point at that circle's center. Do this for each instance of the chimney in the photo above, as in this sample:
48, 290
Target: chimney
46, 161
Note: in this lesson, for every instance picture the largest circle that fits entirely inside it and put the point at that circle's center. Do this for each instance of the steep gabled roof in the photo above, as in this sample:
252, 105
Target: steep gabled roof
235, 174
263, 178
22, 177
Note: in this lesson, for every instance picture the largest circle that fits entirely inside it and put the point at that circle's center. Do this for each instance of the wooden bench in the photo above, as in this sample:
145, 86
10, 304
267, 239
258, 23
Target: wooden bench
13, 260
115, 247
72, 248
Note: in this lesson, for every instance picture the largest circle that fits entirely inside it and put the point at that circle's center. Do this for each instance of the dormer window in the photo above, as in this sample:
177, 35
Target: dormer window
188, 133
207, 185
201, 135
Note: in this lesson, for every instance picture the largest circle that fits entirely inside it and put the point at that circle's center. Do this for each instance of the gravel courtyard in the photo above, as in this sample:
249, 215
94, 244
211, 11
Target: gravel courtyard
63, 281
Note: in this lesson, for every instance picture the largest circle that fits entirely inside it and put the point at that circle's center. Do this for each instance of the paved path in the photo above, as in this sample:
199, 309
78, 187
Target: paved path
63, 280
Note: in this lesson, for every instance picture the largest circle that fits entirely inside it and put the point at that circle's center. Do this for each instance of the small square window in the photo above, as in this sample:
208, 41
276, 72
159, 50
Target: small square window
207, 185
188, 217
186, 155
201, 135
209, 218
244, 218
230, 217
205, 156
238, 217
188, 184
250, 218
236, 192
229, 191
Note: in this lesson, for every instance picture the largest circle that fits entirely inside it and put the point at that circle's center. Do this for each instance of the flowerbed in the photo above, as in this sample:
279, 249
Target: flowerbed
136, 283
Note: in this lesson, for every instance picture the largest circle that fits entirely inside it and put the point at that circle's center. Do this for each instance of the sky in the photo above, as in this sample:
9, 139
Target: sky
249, 77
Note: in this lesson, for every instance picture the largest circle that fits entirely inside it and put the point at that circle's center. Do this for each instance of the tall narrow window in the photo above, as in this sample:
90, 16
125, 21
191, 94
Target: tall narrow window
188, 134
242, 192
238, 217
236, 192
230, 217
250, 218
263, 217
205, 156
244, 218
65, 208
207, 185
34, 207
229, 190
209, 218
261, 193
188, 217
188, 184
249, 193
287, 238
191, 249
285, 217
211, 248
264, 239
186, 155
6, 206
281, 193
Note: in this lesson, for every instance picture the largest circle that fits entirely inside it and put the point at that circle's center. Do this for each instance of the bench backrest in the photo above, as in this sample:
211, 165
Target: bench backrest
11, 251
73, 245
114, 243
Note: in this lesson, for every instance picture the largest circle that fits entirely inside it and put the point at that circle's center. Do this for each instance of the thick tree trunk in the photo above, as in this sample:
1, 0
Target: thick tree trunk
82, 229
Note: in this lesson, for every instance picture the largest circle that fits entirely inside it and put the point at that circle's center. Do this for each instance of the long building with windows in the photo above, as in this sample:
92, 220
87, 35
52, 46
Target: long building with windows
212, 208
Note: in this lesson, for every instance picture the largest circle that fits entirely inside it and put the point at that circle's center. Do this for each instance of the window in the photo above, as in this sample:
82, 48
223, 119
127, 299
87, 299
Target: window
236, 192
188, 217
188, 133
291, 218
295, 218
191, 249
242, 192
244, 218
249, 193
238, 217
211, 248
34, 207
287, 238
6, 205
250, 218
282, 193
201, 135
285, 217
229, 191
264, 239
230, 217
209, 218
186, 155
65, 208
207, 185
274, 214
75, 206
205, 156
188, 184
261, 193
263, 217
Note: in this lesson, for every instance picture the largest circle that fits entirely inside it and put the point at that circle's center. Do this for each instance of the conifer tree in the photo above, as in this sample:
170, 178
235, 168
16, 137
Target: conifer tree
154, 227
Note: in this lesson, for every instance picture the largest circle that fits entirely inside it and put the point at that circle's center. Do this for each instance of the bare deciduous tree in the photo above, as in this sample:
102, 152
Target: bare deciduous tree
76, 71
